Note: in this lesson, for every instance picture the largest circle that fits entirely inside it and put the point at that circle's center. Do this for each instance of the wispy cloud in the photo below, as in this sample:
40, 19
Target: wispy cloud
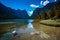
34, 6
41, 2
55, 0
45, 2
30, 13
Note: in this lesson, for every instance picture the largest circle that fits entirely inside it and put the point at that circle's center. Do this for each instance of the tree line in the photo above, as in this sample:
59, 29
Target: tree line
53, 13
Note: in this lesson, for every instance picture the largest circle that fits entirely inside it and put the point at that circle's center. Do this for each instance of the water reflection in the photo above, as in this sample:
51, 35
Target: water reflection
30, 21
30, 27
29, 30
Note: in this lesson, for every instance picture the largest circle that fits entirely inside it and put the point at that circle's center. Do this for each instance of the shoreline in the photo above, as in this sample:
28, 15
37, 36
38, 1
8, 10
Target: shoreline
50, 23
4, 28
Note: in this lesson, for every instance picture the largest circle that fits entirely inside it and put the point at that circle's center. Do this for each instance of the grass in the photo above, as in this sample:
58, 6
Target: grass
51, 22
53, 31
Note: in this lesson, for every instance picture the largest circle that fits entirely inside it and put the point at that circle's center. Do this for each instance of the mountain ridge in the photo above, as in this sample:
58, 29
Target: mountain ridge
46, 8
7, 12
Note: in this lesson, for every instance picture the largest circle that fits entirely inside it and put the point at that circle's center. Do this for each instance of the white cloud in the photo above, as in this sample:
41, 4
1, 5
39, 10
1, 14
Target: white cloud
44, 3
30, 13
55, 0
34, 6
41, 2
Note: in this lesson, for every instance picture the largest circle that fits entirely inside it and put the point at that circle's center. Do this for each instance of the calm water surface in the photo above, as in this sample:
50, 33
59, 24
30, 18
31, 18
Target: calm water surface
28, 27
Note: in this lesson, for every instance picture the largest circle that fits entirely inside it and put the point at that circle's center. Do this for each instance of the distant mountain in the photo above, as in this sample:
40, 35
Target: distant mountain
36, 12
46, 8
22, 13
6, 12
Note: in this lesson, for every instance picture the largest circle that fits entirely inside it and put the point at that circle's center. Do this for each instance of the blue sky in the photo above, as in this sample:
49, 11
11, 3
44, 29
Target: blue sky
28, 5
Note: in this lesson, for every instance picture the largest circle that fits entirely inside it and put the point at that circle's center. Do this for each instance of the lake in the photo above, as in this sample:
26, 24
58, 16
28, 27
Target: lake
27, 29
